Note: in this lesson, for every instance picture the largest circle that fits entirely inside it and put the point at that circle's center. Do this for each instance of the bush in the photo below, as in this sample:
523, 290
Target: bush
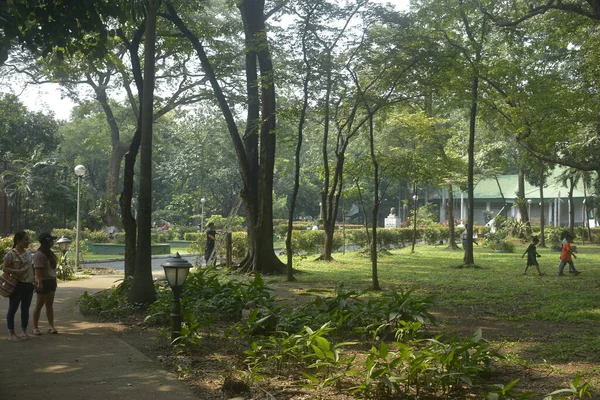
6, 243
60, 232
193, 236
96, 237
553, 236
239, 245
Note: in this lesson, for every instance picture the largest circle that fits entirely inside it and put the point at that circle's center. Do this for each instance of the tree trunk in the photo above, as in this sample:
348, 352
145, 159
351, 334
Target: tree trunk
469, 259
305, 82
374, 275
451, 241
256, 163
142, 289
571, 207
542, 206
521, 196
125, 201
109, 217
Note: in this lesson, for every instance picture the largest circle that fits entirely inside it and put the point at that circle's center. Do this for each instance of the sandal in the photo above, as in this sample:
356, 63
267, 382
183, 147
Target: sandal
36, 332
25, 336
52, 331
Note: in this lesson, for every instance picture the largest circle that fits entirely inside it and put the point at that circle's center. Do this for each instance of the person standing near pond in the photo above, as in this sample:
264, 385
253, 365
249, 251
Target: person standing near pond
211, 234
532, 256
17, 262
44, 263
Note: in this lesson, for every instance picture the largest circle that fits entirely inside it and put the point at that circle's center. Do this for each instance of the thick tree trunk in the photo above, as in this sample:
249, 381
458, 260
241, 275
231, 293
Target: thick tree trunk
125, 201
142, 290
109, 217
256, 163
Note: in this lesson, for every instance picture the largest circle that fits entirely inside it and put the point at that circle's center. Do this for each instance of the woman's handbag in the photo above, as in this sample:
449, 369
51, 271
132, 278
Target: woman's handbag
7, 285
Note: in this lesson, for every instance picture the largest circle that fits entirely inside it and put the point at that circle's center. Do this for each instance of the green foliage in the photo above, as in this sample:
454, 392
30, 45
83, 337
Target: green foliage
110, 303
207, 298
576, 390
507, 392
97, 236
239, 245
346, 310
498, 241
65, 269
429, 366
553, 236
6, 243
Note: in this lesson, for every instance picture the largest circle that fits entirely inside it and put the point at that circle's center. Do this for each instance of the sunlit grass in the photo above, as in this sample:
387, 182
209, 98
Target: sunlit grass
568, 307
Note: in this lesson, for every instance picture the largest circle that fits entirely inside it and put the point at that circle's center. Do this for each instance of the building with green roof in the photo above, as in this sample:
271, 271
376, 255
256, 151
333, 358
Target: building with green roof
495, 195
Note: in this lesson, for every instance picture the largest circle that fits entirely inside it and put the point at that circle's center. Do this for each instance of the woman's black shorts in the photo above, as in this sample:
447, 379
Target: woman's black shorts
48, 285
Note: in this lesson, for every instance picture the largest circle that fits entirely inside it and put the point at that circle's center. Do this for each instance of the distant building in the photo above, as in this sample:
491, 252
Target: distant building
488, 201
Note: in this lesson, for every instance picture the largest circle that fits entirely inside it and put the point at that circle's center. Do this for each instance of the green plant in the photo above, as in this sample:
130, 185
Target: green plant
498, 241
6, 243
576, 390
110, 303
66, 266
507, 392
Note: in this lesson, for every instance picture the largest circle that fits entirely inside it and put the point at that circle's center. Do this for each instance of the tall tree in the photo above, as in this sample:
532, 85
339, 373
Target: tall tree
142, 288
256, 148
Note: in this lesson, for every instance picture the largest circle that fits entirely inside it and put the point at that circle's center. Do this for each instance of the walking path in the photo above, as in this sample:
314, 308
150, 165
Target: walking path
86, 360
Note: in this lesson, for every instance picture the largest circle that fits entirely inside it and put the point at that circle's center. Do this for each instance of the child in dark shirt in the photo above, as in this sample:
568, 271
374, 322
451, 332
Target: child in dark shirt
532, 256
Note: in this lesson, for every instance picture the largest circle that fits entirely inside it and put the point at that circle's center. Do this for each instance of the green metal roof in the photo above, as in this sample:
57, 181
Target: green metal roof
487, 189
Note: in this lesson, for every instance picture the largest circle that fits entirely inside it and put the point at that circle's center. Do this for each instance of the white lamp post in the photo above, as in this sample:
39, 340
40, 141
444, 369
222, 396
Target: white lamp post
79, 171
529, 209
176, 270
202, 201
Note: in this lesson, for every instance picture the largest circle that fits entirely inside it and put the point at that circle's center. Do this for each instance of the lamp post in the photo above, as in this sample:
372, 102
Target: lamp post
414, 238
320, 211
176, 270
202, 201
529, 209
63, 244
79, 172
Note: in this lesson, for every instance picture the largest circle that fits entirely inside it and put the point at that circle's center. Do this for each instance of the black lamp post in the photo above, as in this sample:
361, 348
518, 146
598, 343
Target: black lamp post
176, 270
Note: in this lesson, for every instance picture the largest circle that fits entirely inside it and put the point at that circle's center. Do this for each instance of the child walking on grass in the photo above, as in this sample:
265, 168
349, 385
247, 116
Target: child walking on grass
532, 256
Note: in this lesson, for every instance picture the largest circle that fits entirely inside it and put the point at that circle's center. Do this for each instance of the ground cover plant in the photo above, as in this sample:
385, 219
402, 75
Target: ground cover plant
498, 334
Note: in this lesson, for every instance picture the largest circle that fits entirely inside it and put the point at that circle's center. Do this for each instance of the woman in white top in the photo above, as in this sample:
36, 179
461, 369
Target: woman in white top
17, 263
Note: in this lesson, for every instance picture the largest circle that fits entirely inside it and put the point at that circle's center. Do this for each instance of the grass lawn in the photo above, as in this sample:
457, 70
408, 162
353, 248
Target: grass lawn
547, 326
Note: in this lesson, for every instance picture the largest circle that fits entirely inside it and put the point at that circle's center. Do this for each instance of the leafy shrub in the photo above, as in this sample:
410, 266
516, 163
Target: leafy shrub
553, 235
206, 298
109, 303
97, 237
309, 242
6, 243
432, 234
239, 245
498, 241
435, 367
68, 233
193, 236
